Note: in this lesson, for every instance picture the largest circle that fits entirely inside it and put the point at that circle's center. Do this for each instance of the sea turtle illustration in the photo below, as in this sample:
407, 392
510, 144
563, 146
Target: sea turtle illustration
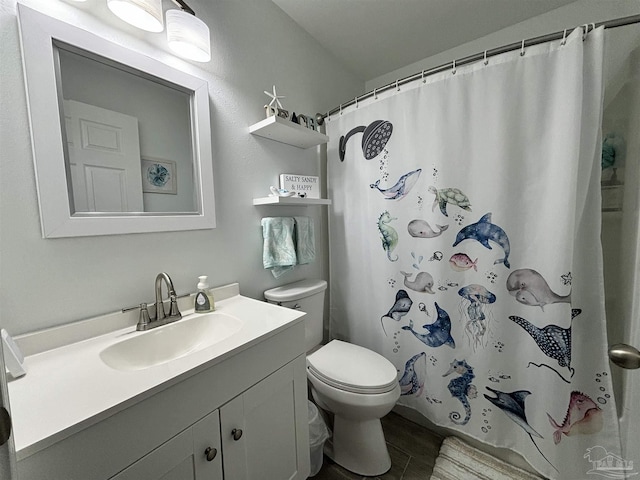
449, 195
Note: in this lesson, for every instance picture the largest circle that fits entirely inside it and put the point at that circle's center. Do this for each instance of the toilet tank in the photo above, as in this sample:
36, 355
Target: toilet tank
308, 297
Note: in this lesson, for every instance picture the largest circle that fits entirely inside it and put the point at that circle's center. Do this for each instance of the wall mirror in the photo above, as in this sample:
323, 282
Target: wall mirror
121, 141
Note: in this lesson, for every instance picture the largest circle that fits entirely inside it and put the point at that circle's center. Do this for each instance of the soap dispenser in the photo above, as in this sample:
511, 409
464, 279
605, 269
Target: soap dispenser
204, 297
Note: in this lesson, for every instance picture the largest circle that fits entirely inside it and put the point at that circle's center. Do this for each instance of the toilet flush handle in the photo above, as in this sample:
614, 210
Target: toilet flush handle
236, 433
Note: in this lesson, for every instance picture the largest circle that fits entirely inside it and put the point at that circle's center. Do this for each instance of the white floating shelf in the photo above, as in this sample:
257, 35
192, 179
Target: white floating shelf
291, 201
284, 131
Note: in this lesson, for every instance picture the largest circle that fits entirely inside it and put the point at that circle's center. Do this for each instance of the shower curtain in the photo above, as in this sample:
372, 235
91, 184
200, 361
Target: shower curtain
464, 247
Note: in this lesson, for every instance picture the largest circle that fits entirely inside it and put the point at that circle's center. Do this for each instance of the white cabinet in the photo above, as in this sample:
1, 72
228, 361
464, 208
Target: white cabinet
259, 434
261, 391
194, 454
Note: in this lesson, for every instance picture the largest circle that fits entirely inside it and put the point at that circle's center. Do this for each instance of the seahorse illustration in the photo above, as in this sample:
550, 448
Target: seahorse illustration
462, 389
388, 234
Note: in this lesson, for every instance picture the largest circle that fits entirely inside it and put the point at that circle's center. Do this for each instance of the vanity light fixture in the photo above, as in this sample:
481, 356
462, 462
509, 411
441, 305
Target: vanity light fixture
188, 36
144, 14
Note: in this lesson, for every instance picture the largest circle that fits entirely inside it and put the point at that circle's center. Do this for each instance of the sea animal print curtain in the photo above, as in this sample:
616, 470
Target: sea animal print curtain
465, 248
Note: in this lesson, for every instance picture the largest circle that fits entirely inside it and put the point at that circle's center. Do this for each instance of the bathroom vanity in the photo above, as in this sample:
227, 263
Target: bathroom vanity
232, 408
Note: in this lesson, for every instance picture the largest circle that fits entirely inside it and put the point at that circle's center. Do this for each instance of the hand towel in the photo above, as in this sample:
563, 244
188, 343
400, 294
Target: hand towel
278, 252
305, 240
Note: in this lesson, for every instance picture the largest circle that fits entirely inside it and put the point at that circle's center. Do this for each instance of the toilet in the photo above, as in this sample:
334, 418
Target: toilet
353, 384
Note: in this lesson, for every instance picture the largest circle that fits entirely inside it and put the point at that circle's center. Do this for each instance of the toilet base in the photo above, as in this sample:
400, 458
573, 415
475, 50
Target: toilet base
359, 446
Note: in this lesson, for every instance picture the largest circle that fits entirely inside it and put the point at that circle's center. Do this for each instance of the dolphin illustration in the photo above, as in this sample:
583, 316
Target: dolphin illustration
483, 231
402, 187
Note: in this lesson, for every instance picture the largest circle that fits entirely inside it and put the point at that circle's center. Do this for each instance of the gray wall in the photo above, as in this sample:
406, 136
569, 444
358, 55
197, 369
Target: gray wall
569, 16
44, 283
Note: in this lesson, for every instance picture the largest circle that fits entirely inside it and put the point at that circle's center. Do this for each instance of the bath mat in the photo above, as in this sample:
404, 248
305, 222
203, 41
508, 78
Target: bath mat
460, 461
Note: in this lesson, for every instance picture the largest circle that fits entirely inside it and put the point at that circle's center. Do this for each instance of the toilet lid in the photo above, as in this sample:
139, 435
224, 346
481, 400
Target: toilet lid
352, 368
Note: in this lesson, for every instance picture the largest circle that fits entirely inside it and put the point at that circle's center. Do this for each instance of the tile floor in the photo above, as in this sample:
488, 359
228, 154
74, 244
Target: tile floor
413, 451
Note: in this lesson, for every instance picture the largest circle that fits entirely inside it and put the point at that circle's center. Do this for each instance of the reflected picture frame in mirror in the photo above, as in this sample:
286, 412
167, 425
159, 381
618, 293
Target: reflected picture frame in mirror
41, 38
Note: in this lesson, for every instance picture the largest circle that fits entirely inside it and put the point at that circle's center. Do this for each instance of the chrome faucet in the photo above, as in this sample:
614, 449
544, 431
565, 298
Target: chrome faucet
161, 317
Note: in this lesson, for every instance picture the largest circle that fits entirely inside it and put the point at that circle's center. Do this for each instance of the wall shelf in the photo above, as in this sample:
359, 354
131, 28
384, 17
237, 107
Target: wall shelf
291, 201
284, 131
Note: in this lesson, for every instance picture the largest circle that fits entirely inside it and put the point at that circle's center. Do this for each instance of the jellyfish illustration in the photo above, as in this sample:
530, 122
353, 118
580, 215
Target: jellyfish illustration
473, 306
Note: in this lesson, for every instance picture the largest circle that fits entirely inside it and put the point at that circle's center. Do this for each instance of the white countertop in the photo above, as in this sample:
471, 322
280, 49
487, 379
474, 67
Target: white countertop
69, 388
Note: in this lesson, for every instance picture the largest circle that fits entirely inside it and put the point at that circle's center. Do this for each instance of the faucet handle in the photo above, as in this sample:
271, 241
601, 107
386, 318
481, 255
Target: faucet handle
143, 321
173, 311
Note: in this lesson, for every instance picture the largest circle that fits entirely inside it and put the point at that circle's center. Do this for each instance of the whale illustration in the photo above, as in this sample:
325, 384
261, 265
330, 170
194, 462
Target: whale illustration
421, 229
438, 333
483, 231
411, 382
402, 187
530, 288
422, 283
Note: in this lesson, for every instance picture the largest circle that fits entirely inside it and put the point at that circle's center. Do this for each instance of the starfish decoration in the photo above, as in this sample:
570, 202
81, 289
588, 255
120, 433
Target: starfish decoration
274, 98
566, 279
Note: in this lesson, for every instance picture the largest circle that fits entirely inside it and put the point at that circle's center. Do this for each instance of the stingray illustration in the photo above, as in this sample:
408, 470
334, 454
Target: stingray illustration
412, 380
402, 187
530, 288
438, 333
375, 137
483, 231
554, 341
399, 309
512, 404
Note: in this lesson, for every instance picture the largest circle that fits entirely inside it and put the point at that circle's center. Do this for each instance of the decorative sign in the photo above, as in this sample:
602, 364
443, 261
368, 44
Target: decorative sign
275, 108
301, 184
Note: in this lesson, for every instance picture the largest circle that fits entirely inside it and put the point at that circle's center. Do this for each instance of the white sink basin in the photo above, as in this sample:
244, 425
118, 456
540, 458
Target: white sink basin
172, 341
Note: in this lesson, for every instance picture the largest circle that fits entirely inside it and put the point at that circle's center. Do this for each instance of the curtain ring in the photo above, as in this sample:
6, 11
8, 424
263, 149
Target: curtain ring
585, 30
340, 109
486, 62
375, 94
522, 49
424, 80
356, 102
453, 70
328, 117
564, 38
397, 86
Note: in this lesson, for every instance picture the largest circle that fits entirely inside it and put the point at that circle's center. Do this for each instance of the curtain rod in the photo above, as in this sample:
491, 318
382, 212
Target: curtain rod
618, 22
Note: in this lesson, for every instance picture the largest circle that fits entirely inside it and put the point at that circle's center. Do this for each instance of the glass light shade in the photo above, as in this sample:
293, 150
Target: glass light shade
188, 36
144, 14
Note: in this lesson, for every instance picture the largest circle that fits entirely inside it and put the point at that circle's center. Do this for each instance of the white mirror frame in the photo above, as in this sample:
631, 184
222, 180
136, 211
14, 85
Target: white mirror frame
38, 33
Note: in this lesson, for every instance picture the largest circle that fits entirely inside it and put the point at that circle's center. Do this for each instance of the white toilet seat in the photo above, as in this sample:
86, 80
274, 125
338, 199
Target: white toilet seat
352, 368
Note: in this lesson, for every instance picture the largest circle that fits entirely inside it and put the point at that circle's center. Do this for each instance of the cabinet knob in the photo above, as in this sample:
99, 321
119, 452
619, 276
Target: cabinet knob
236, 433
210, 453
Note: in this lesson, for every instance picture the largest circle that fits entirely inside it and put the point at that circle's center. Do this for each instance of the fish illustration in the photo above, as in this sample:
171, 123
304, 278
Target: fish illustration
438, 333
411, 382
399, 309
483, 231
461, 262
530, 288
583, 417
512, 404
554, 341
421, 229
422, 283
402, 187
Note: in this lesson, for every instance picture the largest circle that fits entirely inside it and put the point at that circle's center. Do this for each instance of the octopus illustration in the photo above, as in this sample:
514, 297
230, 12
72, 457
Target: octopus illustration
473, 305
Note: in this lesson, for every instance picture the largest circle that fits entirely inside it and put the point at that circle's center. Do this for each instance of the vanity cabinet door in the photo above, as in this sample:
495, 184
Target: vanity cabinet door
265, 430
192, 454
